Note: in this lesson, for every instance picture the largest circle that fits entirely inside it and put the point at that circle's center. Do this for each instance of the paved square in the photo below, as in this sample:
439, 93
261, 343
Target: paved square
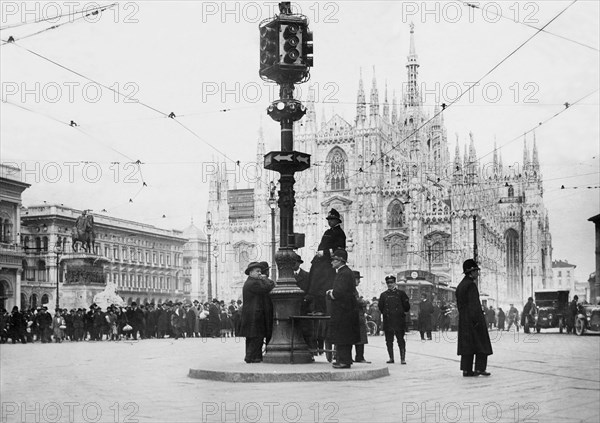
544, 377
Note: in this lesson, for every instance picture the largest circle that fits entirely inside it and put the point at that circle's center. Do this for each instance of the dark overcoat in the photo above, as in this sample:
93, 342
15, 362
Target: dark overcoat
394, 304
425, 316
343, 328
473, 336
257, 312
321, 273
362, 321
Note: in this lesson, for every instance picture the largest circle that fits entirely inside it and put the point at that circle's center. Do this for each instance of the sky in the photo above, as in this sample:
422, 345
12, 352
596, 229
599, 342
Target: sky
119, 73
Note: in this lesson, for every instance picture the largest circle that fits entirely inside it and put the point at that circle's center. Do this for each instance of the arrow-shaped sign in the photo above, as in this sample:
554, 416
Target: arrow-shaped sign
303, 159
287, 157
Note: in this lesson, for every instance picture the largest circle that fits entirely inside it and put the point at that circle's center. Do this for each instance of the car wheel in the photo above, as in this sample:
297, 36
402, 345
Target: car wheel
579, 326
538, 329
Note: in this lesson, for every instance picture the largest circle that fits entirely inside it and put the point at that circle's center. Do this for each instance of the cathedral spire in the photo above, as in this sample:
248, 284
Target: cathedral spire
394, 108
323, 118
310, 121
361, 106
386, 105
525, 153
534, 159
457, 171
374, 107
495, 160
412, 96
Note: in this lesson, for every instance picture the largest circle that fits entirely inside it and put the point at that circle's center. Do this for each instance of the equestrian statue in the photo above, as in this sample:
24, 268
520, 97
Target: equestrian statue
83, 233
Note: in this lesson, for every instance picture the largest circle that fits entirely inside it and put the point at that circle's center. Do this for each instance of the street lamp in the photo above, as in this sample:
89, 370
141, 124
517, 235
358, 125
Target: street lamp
208, 234
216, 254
273, 206
58, 252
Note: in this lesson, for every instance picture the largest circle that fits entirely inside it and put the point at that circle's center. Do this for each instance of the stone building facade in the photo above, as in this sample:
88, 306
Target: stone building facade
11, 253
144, 262
406, 203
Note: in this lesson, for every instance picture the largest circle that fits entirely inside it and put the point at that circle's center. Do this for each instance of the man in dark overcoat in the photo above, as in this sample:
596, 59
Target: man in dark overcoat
321, 273
425, 317
473, 336
257, 312
302, 281
394, 304
343, 329
359, 347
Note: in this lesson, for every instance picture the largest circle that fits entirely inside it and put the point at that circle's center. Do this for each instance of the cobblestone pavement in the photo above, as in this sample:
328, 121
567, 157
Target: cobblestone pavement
544, 377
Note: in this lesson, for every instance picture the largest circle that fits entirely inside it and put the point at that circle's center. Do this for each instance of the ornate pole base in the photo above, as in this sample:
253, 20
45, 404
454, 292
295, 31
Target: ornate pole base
287, 298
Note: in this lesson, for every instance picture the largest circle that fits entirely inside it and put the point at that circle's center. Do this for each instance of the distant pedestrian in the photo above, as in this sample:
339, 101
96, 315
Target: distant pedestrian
473, 336
425, 316
501, 318
513, 317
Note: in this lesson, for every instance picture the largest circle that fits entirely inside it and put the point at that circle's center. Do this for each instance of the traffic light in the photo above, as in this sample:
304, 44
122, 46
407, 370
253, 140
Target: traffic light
286, 49
307, 47
269, 40
290, 43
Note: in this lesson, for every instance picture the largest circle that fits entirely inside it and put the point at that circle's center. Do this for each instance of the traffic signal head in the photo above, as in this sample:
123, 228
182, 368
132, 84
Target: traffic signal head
269, 39
290, 43
307, 47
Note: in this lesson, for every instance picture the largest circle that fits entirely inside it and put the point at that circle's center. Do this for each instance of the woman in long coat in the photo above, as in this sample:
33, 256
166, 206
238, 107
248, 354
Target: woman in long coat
473, 336
257, 312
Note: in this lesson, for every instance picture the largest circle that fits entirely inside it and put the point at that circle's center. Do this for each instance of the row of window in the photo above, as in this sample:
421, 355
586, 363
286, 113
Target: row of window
143, 281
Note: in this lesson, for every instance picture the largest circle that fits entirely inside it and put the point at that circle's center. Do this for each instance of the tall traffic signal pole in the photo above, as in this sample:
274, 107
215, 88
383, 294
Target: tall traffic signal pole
285, 58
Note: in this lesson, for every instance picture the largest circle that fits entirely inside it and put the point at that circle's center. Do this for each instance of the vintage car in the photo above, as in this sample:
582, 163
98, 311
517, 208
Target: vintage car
552, 307
588, 319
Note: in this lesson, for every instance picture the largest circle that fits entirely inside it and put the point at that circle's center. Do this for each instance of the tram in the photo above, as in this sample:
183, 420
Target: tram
417, 282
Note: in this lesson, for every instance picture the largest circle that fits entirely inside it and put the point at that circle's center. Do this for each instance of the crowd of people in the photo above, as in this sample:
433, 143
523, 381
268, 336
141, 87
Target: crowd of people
169, 319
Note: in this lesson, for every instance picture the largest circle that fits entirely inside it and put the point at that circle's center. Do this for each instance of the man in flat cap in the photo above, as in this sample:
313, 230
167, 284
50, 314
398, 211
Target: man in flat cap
257, 312
394, 304
343, 329
473, 336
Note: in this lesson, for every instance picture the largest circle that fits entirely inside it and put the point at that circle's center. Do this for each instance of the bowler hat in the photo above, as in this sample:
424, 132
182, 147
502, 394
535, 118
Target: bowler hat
469, 265
264, 265
356, 274
334, 214
253, 265
298, 259
340, 255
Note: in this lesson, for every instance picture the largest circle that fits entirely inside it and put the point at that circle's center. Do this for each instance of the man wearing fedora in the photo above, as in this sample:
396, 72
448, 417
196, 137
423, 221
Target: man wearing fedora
257, 312
343, 329
394, 304
473, 336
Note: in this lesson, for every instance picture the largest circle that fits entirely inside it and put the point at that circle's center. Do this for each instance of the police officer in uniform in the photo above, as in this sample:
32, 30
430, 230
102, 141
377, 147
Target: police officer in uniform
394, 304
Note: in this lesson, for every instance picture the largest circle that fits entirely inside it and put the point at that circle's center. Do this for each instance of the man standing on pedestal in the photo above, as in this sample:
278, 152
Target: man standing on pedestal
343, 330
473, 336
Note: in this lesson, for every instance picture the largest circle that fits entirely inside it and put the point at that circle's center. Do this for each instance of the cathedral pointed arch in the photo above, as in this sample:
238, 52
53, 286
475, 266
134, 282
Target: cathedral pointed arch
337, 166
396, 214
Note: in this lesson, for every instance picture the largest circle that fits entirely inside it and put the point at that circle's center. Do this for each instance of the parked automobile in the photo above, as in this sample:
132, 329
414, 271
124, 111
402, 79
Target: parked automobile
552, 308
588, 319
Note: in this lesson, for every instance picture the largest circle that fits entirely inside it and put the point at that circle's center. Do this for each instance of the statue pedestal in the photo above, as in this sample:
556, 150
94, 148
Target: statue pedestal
84, 279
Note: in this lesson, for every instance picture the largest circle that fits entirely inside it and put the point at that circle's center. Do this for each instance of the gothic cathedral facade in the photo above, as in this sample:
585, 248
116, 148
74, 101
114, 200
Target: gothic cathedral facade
406, 204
